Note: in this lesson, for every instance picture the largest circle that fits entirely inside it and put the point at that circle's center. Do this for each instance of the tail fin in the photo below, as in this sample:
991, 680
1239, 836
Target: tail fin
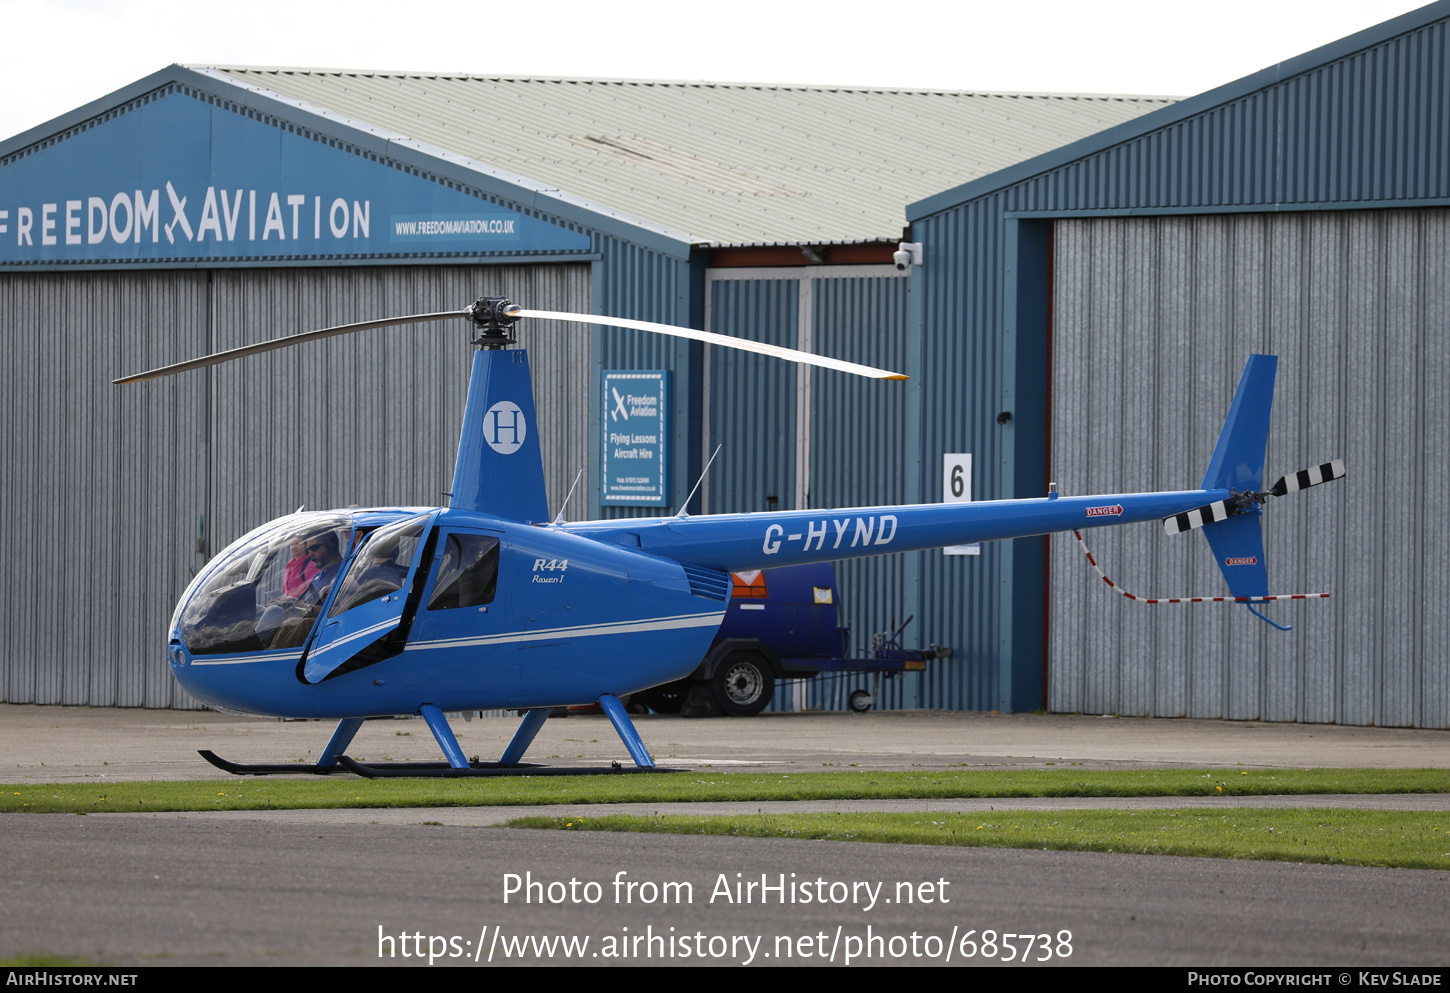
1237, 465
1238, 458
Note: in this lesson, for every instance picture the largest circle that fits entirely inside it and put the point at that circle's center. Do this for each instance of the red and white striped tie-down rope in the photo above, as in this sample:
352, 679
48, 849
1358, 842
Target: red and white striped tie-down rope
1190, 599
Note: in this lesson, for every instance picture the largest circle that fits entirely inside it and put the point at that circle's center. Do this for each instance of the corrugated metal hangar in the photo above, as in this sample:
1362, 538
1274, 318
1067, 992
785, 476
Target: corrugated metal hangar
1116, 286
1100, 277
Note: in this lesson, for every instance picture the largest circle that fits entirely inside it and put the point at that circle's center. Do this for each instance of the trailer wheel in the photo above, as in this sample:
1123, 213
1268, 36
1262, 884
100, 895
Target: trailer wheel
667, 699
742, 684
860, 701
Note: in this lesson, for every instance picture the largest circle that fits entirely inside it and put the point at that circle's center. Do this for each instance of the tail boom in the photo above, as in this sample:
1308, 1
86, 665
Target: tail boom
736, 542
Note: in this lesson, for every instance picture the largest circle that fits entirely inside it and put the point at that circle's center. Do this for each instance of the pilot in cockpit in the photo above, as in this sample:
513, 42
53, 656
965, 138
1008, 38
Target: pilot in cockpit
322, 548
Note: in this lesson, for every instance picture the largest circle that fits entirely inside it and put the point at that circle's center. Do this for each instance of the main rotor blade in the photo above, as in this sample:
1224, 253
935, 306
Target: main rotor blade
217, 358
789, 354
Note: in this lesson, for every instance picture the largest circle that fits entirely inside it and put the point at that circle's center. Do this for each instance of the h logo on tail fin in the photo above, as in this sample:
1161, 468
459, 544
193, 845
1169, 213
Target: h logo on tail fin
504, 427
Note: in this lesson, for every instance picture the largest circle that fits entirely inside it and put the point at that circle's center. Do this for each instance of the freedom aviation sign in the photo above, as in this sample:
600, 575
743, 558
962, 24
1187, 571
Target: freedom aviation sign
635, 433
180, 180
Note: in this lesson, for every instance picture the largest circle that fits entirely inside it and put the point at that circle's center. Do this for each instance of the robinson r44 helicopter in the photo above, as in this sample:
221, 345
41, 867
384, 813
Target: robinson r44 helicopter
485, 604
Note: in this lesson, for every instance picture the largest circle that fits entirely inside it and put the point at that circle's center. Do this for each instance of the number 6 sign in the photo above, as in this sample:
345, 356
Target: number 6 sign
956, 487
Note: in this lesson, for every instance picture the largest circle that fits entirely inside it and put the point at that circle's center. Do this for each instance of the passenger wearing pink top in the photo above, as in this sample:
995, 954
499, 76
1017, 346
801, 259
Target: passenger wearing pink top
299, 571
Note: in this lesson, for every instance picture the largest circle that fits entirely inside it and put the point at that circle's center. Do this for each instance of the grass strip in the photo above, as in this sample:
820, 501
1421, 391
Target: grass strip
43, 960
1396, 839
253, 793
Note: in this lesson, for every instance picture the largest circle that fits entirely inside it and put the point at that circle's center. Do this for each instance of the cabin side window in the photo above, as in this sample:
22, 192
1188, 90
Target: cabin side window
468, 574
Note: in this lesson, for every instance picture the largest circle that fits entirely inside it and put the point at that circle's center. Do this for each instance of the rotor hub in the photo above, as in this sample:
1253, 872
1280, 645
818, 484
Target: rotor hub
494, 317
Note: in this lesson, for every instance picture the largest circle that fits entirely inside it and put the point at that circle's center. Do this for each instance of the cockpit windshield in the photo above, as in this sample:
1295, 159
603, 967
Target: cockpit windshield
265, 591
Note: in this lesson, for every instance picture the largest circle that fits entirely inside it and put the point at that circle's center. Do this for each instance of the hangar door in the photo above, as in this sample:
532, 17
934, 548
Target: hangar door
798, 437
124, 492
1153, 319
105, 486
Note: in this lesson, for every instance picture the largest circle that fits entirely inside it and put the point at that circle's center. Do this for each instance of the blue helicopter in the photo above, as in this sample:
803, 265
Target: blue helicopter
487, 604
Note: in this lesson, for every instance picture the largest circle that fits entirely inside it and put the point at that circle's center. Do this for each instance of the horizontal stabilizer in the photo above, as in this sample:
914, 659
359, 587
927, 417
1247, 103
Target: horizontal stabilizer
1305, 478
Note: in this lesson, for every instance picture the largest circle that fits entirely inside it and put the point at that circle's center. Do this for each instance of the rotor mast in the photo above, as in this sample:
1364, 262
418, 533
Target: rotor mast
500, 466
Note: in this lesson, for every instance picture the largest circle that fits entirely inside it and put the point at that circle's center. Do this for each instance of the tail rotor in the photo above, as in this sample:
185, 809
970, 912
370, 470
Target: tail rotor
1232, 529
1240, 503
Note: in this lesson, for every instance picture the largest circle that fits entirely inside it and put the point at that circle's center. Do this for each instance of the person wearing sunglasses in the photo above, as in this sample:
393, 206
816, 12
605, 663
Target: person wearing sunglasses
323, 549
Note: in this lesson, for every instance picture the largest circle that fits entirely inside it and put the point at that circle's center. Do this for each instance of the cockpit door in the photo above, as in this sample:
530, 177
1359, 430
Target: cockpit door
368, 605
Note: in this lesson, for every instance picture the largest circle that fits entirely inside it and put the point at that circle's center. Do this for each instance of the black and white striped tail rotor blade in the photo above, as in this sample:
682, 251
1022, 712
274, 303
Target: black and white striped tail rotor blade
1190, 519
1305, 478
744, 344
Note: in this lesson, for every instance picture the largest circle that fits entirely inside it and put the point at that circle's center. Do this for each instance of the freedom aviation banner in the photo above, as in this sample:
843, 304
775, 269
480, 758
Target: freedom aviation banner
178, 179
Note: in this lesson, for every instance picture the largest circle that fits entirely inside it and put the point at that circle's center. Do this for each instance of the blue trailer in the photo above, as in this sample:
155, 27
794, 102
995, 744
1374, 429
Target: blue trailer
782, 624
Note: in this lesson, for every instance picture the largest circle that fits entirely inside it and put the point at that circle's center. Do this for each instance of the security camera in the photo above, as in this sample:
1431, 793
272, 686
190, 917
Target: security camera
907, 254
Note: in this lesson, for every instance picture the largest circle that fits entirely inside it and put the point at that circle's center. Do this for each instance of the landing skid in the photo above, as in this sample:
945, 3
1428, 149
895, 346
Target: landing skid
370, 770
457, 766
418, 770
284, 769
441, 770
